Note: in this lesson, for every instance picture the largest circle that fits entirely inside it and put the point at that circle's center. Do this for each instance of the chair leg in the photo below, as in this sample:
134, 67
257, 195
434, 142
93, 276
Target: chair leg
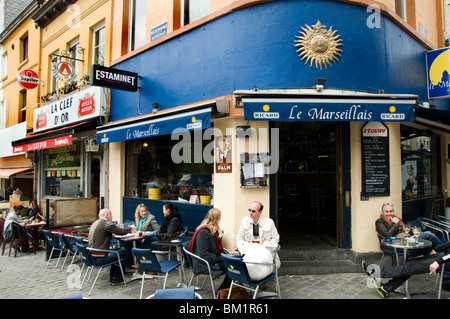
50, 257
142, 285
96, 277
60, 254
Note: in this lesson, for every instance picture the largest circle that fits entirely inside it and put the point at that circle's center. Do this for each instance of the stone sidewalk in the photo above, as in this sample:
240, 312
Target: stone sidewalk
28, 277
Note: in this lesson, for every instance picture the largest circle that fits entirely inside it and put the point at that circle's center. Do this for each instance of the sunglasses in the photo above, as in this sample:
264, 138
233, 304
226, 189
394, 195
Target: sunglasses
252, 210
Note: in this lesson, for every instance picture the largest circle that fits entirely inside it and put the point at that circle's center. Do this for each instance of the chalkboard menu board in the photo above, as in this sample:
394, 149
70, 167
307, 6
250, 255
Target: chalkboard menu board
375, 159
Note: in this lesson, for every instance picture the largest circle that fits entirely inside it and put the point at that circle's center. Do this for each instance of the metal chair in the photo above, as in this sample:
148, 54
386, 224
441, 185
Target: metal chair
238, 273
195, 273
148, 262
54, 242
70, 247
89, 261
175, 293
440, 278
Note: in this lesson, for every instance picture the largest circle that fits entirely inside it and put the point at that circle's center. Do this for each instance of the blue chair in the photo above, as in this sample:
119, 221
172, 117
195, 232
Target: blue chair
89, 261
189, 256
71, 248
238, 273
55, 243
175, 293
148, 262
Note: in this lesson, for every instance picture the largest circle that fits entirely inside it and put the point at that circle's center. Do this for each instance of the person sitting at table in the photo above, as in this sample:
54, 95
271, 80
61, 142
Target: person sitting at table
416, 266
206, 244
33, 211
389, 225
100, 235
13, 216
257, 227
145, 222
172, 224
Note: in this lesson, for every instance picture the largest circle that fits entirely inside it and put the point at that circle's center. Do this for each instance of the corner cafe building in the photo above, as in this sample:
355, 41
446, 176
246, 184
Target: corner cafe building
321, 144
69, 165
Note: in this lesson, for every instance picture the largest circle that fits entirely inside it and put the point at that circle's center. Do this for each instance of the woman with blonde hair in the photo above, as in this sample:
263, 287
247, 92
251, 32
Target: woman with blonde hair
206, 244
145, 222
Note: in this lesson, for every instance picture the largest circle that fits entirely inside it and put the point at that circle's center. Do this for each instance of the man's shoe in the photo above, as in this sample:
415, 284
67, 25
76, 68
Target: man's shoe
365, 267
116, 281
381, 291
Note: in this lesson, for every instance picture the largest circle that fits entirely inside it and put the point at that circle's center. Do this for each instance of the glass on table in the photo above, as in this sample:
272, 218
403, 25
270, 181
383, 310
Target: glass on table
406, 229
416, 232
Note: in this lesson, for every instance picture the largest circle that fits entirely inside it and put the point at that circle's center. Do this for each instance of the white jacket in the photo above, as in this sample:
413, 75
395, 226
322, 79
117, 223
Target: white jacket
267, 230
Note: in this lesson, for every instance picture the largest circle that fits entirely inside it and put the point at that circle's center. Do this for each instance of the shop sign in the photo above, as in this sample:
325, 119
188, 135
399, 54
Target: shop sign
73, 108
44, 144
342, 110
113, 78
438, 69
28, 79
375, 160
173, 124
63, 71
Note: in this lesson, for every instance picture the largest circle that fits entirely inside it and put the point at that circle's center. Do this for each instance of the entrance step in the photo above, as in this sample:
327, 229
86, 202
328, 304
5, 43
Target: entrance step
317, 262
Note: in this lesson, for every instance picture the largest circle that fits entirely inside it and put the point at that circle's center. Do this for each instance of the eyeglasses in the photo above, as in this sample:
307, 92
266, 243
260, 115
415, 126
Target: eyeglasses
252, 210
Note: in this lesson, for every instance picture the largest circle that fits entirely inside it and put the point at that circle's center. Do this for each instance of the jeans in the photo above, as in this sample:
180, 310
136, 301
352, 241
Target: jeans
114, 273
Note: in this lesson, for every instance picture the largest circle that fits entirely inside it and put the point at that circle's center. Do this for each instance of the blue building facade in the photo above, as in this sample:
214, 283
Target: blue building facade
256, 49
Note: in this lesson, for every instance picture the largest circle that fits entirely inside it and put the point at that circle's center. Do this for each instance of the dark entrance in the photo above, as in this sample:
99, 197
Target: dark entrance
307, 184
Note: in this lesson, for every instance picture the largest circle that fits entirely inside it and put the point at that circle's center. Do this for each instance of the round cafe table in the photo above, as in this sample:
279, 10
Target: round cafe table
406, 245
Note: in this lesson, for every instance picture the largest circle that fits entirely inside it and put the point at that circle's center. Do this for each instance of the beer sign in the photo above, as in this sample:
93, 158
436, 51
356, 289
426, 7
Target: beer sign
28, 79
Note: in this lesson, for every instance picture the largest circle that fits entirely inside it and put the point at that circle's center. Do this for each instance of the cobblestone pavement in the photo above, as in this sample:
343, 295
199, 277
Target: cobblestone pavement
28, 277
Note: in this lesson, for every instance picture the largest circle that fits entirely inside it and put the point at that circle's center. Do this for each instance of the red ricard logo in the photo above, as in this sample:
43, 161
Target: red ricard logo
87, 106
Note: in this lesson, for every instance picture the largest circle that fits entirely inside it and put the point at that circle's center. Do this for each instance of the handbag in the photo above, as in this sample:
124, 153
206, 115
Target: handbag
236, 293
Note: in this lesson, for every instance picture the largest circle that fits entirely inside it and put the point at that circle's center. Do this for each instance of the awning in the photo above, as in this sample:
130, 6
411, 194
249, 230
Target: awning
50, 139
5, 173
433, 117
155, 126
329, 109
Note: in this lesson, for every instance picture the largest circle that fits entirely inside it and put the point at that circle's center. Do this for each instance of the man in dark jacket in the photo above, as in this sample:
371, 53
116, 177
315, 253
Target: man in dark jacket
416, 266
100, 235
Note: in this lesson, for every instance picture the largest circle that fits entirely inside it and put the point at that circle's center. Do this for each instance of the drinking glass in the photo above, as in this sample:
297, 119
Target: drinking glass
416, 232
406, 229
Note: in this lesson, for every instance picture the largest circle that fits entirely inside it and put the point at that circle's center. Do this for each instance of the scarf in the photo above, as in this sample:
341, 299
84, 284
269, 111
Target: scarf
216, 235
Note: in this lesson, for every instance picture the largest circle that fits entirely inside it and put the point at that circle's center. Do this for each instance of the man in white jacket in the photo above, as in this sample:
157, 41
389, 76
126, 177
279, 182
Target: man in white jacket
257, 228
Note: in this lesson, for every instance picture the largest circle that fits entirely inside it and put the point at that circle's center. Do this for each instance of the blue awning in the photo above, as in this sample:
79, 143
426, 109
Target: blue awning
155, 126
329, 109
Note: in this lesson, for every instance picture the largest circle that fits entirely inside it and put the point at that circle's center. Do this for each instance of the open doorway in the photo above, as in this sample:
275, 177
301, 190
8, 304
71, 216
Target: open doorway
307, 184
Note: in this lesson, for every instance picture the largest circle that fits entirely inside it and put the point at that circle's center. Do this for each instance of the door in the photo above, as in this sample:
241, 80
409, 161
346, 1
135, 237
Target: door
308, 184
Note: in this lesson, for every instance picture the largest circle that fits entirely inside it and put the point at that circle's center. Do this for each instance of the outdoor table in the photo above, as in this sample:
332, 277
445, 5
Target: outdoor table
405, 244
176, 242
34, 230
133, 238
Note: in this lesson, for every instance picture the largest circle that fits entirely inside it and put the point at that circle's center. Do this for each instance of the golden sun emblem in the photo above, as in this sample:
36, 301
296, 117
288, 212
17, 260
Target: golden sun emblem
319, 45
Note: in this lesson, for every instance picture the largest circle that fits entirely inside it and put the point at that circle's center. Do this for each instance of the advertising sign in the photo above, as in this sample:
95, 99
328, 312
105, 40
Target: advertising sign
113, 78
28, 79
312, 109
73, 108
375, 159
438, 69
44, 144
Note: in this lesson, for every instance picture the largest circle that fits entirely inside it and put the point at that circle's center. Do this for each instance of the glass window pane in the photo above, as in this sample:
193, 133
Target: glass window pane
420, 164
138, 22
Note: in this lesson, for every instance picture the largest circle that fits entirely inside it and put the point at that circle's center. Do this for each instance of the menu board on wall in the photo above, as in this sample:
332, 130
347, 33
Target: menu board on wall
375, 159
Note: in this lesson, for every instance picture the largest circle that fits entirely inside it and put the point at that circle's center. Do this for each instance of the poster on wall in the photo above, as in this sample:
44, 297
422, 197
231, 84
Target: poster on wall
409, 178
223, 155
375, 159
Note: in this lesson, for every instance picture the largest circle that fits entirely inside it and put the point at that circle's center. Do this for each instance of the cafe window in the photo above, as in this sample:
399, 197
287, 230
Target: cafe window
153, 173
63, 171
421, 173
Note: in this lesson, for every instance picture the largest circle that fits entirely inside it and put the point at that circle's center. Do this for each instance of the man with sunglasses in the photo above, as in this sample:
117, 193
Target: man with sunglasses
257, 228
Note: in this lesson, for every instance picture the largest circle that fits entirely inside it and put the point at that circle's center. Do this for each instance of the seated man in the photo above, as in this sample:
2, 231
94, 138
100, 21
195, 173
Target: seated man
416, 266
389, 225
255, 227
100, 235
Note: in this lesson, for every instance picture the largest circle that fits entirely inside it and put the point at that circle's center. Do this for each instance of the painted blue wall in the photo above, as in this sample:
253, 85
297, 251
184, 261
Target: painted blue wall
254, 47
